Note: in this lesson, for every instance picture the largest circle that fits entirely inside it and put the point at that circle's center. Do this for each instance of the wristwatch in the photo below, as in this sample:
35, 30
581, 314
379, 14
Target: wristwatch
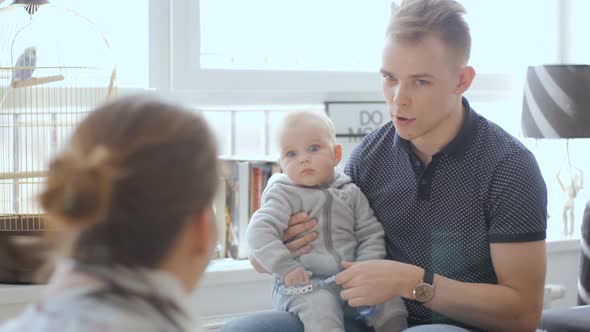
424, 291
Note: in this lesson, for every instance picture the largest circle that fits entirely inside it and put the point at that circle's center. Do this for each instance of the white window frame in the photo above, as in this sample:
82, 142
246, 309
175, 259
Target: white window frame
174, 69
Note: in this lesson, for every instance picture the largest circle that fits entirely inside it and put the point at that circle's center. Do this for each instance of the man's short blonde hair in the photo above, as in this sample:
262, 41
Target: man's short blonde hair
414, 20
322, 119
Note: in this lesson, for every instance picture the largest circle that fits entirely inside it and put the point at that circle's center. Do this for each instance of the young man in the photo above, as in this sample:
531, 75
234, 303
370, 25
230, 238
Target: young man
462, 202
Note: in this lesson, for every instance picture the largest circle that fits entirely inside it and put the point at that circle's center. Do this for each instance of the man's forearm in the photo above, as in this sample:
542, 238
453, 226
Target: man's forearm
488, 306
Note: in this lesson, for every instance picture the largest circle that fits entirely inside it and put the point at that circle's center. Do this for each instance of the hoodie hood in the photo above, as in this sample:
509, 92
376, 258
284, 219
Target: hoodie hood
340, 179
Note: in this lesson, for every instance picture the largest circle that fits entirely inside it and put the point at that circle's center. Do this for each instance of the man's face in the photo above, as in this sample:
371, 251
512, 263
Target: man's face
420, 86
308, 155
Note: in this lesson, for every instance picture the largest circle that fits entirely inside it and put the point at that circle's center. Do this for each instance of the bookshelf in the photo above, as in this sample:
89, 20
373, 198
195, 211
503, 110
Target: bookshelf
239, 195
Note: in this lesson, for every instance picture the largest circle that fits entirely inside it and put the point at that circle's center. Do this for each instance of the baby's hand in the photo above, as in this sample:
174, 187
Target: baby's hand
297, 277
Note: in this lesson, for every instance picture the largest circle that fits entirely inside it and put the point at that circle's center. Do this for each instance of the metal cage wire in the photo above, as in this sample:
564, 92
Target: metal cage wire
54, 67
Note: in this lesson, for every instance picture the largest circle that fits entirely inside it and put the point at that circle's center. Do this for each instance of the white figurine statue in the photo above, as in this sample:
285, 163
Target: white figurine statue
577, 183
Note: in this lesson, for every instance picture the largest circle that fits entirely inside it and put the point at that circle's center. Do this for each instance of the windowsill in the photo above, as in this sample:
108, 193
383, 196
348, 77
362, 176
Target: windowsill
229, 271
18, 294
563, 245
223, 278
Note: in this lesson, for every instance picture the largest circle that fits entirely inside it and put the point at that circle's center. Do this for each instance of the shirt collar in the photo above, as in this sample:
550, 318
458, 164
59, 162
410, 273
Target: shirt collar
458, 145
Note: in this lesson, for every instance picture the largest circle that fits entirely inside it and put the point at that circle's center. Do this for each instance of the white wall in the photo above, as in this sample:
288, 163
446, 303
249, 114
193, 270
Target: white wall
562, 269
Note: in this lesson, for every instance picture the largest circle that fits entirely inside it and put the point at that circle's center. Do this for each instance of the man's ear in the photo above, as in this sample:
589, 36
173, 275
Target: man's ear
337, 153
466, 76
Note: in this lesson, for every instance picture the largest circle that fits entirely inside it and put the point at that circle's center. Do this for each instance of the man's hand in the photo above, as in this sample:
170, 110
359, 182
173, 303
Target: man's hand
377, 281
297, 277
299, 224
298, 245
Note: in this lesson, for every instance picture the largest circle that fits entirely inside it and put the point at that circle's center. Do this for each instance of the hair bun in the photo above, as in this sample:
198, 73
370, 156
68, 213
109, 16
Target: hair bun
79, 187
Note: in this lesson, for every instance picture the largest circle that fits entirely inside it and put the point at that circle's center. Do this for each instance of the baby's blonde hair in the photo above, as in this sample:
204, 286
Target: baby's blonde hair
322, 117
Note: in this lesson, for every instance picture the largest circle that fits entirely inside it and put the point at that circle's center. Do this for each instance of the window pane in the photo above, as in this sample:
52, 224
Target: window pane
508, 35
250, 133
579, 27
220, 123
293, 35
348, 35
275, 119
125, 25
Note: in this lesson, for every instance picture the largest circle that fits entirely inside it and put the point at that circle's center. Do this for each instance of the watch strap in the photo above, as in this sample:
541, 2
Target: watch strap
428, 277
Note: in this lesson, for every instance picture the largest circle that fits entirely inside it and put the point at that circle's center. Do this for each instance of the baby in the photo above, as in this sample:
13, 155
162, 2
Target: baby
346, 227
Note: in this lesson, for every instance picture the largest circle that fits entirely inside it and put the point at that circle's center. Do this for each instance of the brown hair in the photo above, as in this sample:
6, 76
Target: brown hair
132, 174
413, 20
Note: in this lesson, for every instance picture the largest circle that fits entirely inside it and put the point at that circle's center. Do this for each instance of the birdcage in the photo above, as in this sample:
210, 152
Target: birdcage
55, 66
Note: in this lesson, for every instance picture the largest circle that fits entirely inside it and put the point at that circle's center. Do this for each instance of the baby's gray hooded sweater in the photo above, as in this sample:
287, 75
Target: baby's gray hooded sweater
347, 229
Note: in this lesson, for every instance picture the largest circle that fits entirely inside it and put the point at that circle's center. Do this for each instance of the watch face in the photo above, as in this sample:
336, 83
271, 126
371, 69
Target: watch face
423, 292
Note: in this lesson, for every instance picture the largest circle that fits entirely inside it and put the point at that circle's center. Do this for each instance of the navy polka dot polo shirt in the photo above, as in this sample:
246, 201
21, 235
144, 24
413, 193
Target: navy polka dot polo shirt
483, 187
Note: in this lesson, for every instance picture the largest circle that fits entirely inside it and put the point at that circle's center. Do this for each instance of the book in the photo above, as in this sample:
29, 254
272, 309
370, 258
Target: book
255, 188
259, 175
245, 182
219, 203
238, 205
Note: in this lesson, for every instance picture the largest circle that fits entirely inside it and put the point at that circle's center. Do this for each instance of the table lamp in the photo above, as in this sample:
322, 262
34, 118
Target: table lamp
556, 104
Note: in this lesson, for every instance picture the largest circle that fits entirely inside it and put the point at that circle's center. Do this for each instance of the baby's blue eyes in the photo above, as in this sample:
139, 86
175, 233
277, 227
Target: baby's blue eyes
293, 154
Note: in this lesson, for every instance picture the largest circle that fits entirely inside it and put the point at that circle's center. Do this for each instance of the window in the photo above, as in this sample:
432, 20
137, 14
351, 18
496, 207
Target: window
246, 47
579, 48
211, 62
502, 43
125, 24
333, 35
306, 35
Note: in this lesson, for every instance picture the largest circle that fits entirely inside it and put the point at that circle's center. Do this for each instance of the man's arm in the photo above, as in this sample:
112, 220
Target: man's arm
516, 209
514, 304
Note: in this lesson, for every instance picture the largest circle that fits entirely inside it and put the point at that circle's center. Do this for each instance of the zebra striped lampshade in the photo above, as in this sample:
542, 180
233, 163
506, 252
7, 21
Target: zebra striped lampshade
556, 102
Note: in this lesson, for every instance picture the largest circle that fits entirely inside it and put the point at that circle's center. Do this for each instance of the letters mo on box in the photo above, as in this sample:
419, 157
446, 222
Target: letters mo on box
354, 120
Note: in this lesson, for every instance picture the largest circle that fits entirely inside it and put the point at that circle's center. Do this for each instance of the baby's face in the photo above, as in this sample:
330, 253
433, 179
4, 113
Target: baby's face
308, 155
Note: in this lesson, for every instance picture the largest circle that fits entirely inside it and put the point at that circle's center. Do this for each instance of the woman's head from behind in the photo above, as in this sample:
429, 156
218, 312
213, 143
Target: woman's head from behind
135, 184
